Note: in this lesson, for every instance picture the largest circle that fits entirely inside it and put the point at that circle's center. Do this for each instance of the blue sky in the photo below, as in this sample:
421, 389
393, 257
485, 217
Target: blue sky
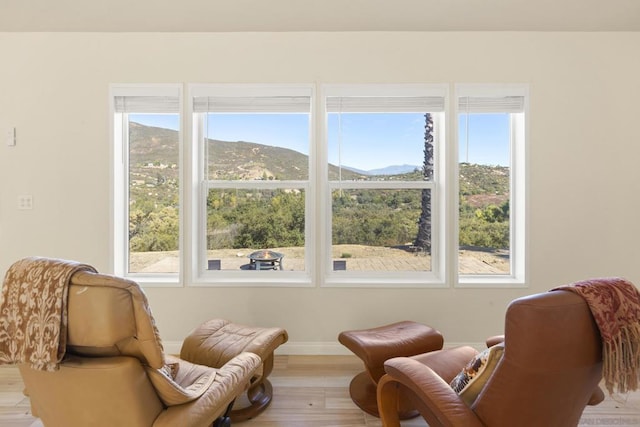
371, 141
488, 142
368, 141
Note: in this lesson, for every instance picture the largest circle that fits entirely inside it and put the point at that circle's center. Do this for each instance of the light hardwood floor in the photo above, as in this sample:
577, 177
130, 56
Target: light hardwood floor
312, 391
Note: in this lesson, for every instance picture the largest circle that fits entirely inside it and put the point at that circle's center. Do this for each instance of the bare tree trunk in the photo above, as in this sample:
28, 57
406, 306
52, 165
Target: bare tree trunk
423, 239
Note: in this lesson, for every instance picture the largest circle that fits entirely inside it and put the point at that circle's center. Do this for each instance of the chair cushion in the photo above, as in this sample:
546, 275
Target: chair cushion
470, 381
110, 316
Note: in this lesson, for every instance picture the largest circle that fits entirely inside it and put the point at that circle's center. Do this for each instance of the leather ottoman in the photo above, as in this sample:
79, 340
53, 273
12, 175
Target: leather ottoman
376, 345
217, 341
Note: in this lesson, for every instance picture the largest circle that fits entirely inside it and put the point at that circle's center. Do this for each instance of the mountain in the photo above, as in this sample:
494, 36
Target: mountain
154, 151
483, 179
153, 156
148, 144
389, 170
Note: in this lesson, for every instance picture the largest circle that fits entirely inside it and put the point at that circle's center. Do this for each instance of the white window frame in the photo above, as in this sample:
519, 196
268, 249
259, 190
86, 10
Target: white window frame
199, 275
346, 278
318, 213
519, 143
119, 224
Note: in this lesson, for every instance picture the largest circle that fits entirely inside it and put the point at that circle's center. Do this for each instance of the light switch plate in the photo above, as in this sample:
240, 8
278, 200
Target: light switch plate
10, 137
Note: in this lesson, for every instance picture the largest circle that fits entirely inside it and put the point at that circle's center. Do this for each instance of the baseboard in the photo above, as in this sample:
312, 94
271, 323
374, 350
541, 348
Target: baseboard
313, 348
302, 348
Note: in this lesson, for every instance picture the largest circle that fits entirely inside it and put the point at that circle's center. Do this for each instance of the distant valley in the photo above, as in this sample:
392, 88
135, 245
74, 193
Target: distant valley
154, 159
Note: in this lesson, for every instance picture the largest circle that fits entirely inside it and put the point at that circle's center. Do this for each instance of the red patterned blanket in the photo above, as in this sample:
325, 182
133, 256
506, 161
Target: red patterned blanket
615, 305
33, 311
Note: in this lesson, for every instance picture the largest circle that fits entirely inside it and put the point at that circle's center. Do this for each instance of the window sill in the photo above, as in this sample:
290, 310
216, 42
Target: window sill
155, 280
382, 280
491, 281
265, 279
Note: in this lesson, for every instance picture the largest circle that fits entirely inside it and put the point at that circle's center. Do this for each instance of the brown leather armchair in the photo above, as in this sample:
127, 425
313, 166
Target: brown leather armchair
115, 372
549, 372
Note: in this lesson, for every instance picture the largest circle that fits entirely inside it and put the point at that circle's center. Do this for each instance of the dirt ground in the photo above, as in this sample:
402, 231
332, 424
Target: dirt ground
359, 257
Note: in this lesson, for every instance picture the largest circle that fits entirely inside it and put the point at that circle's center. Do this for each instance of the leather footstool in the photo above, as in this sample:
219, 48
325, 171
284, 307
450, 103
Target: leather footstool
217, 341
375, 346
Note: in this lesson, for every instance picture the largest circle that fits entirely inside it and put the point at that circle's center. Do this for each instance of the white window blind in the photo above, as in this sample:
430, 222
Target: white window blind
384, 104
146, 104
487, 104
252, 104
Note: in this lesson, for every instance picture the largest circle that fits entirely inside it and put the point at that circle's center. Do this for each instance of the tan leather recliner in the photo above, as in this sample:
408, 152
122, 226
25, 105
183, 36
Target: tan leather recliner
115, 372
549, 372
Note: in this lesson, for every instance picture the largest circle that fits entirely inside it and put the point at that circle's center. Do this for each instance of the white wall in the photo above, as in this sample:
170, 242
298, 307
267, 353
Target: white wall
584, 145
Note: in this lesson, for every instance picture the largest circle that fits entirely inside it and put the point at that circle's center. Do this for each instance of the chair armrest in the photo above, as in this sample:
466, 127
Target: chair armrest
231, 380
449, 362
596, 397
434, 399
496, 339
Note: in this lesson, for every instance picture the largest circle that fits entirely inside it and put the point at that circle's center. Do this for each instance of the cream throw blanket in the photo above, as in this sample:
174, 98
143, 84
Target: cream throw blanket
33, 311
615, 305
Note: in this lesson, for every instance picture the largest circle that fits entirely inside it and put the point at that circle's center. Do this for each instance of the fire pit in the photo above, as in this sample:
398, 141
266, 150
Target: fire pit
266, 260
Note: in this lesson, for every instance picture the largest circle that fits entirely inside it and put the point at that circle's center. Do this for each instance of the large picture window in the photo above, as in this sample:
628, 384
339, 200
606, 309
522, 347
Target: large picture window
320, 185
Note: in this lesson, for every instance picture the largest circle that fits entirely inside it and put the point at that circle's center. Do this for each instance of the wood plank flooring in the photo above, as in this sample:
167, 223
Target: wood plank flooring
312, 391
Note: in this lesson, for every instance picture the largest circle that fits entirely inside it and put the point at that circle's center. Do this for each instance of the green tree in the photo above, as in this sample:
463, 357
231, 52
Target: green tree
268, 221
157, 231
423, 238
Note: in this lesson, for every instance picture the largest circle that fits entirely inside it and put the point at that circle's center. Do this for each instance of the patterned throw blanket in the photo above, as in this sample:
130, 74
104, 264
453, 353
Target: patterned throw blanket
33, 311
615, 305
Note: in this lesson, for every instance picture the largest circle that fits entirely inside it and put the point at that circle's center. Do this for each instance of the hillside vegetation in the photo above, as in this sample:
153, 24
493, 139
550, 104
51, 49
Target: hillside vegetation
275, 218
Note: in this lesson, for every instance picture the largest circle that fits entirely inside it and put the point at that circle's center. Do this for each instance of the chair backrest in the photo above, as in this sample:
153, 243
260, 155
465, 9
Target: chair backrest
552, 363
110, 316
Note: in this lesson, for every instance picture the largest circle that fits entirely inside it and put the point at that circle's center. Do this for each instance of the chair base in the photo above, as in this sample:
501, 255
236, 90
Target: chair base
259, 397
222, 422
363, 394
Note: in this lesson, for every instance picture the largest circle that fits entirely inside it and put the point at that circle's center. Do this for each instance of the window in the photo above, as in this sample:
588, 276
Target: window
253, 182
364, 185
491, 170
146, 134
384, 210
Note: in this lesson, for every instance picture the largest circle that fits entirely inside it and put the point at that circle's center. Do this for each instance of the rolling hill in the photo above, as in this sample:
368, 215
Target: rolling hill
154, 159
153, 147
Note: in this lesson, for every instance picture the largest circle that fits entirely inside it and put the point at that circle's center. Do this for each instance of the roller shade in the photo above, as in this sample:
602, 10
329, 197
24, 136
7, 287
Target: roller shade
486, 104
262, 104
385, 104
147, 104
